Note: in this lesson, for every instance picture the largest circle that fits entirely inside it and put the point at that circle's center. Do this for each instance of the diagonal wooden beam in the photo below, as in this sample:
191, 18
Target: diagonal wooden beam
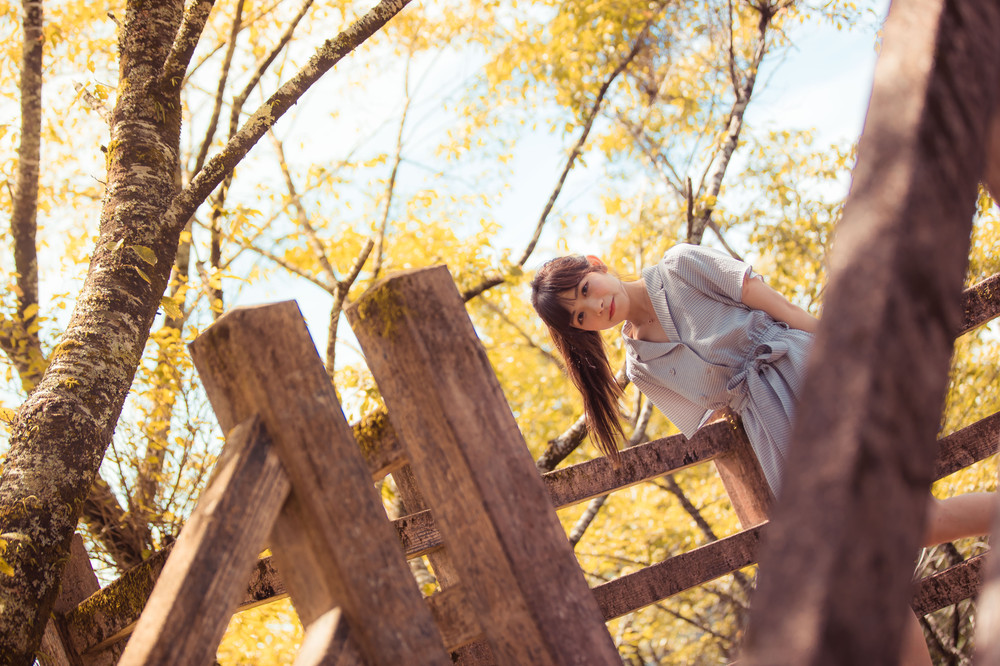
203, 578
332, 542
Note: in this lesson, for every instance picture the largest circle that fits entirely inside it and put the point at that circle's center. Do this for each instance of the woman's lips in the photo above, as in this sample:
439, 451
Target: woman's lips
611, 310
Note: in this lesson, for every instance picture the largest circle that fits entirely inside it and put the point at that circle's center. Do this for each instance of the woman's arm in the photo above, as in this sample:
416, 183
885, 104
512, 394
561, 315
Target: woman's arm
758, 296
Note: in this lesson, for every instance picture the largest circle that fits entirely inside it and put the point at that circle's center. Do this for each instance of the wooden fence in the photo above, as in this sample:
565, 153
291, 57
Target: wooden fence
294, 470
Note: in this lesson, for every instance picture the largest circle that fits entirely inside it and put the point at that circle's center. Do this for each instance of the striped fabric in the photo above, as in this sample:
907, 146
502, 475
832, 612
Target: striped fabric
721, 353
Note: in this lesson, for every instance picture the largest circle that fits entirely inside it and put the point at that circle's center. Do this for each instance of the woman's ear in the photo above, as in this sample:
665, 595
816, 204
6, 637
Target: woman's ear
595, 262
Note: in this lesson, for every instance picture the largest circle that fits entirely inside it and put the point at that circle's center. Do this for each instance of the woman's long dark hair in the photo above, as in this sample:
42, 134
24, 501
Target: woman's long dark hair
586, 359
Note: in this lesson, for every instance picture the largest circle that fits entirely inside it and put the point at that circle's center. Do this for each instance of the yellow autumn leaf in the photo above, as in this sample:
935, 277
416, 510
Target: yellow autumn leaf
171, 307
144, 253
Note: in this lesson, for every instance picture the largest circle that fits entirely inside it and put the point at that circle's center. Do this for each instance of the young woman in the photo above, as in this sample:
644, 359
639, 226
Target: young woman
703, 333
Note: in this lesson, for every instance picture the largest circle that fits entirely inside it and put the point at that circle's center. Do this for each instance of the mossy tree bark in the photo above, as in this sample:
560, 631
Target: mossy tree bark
61, 432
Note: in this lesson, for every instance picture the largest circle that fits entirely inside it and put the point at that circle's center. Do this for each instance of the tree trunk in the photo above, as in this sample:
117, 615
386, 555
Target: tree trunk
19, 336
62, 430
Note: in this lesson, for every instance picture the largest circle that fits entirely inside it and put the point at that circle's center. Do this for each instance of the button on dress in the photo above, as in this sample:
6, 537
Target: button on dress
720, 353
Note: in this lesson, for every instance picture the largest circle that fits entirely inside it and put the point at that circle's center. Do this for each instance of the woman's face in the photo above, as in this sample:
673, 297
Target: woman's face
598, 302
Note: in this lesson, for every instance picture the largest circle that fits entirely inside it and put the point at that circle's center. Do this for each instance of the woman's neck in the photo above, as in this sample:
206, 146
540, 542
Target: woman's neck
641, 313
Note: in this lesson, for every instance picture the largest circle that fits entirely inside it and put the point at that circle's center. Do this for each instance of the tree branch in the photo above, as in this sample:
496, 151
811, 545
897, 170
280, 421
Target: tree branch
490, 282
222, 165
735, 125
339, 297
185, 43
227, 61
301, 216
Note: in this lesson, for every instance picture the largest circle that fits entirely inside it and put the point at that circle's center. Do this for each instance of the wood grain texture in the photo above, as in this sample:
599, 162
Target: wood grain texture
326, 643
967, 446
418, 535
980, 302
834, 577
475, 473
205, 576
957, 582
262, 360
744, 480
678, 573
593, 478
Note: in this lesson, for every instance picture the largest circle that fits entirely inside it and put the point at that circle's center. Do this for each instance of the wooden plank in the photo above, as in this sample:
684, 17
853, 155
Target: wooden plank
980, 303
596, 477
202, 580
378, 443
987, 636
264, 585
834, 574
326, 642
744, 480
413, 501
451, 611
262, 360
475, 472
294, 553
967, 446
948, 587
681, 572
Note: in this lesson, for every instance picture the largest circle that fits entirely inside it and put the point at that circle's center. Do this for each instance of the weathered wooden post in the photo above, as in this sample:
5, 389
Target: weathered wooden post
333, 543
205, 576
476, 474
837, 563
744, 481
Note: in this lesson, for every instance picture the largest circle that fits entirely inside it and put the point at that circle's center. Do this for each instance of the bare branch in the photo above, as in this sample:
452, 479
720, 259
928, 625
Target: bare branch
578, 148
339, 297
227, 61
722, 239
490, 282
735, 125
391, 185
291, 268
122, 537
222, 165
301, 216
94, 103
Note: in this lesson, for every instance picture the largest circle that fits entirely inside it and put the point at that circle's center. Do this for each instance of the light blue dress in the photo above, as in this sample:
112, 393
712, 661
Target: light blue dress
720, 354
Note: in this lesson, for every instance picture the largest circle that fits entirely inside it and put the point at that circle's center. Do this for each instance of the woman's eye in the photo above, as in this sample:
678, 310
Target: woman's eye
579, 319
583, 289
